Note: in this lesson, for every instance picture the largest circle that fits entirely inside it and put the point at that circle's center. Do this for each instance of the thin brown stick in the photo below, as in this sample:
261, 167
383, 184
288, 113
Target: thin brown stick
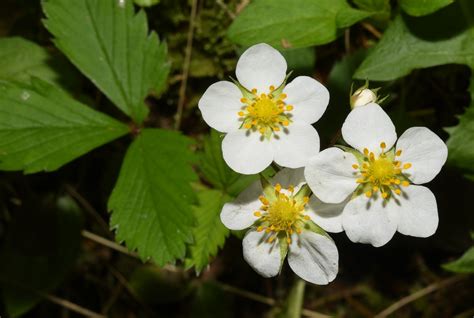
89, 208
224, 7
186, 65
263, 299
421, 293
369, 27
73, 307
110, 244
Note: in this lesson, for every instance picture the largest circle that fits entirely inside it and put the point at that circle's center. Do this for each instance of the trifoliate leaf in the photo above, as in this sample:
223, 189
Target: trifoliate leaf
411, 43
423, 7
461, 139
151, 202
465, 264
216, 171
293, 23
209, 233
112, 46
40, 247
43, 128
20, 60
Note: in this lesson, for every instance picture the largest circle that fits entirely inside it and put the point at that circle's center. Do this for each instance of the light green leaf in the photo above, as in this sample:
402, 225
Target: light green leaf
411, 43
209, 232
465, 264
20, 60
379, 6
146, 3
423, 7
294, 23
40, 247
110, 45
151, 202
461, 139
216, 171
43, 128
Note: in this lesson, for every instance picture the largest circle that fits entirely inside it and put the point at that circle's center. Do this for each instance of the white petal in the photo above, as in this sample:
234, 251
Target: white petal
247, 152
370, 221
309, 98
314, 257
425, 151
287, 177
418, 212
219, 106
367, 127
296, 145
330, 175
264, 257
261, 66
326, 215
238, 215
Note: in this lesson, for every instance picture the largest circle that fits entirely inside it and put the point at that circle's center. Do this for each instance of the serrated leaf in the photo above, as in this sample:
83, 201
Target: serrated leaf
294, 23
21, 59
209, 233
465, 264
423, 7
411, 43
216, 171
151, 202
112, 46
43, 128
40, 247
461, 139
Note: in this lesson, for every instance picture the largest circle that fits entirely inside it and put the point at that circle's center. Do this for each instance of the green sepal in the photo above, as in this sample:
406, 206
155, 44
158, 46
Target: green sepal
304, 191
268, 188
283, 248
359, 156
245, 92
280, 88
313, 227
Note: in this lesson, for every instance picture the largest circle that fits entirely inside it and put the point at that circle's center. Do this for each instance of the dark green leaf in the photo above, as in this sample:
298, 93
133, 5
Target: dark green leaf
465, 264
294, 23
146, 3
43, 128
379, 6
110, 45
41, 245
209, 232
423, 7
411, 43
151, 203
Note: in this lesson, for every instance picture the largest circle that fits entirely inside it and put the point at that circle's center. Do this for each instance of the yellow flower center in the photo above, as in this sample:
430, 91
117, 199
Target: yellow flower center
266, 113
282, 214
383, 173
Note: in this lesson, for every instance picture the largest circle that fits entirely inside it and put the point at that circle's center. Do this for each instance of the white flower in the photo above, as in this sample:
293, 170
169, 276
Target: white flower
264, 119
378, 182
362, 97
280, 223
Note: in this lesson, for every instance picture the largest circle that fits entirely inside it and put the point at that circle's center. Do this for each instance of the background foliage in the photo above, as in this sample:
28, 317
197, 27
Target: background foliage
113, 185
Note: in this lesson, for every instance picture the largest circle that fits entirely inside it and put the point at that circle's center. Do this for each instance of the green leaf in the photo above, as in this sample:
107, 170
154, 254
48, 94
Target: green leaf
294, 23
40, 247
110, 45
379, 6
465, 264
209, 232
216, 171
146, 3
461, 139
423, 7
151, 202
411, 43
20, 60
43, 128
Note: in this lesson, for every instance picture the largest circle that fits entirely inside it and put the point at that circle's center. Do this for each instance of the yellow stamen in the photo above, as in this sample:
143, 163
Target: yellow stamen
257, 213
407, 166
355, 166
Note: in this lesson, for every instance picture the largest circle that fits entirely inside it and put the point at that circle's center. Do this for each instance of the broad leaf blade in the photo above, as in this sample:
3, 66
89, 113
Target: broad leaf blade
40, 247
110, 45
465, 264
411, 43
423, 7
43, 128
151, 202
209, 232
295, 23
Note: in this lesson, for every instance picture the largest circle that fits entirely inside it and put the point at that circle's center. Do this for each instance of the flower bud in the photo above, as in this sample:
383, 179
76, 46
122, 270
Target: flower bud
363, 96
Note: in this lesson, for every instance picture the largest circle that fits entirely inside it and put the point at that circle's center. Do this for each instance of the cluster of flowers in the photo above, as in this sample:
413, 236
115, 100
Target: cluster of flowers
369, 188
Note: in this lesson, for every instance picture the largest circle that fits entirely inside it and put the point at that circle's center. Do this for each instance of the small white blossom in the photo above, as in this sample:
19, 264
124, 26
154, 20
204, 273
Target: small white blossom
362, 97
378, 181
264, 119
280, 222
